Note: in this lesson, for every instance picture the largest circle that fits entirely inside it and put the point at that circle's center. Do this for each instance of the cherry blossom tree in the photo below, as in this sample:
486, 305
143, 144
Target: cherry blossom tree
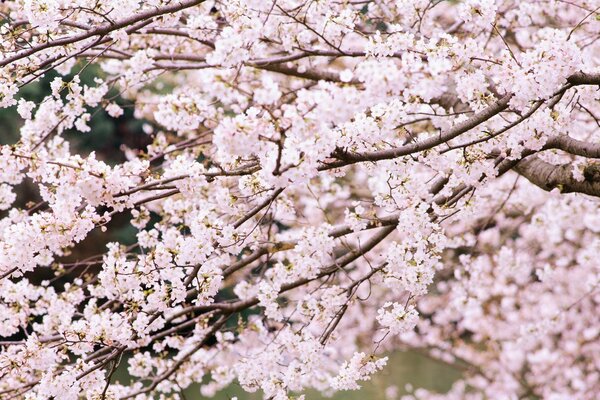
327, 181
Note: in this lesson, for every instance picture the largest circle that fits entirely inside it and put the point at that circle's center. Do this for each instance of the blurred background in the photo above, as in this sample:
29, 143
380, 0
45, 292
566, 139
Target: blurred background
404, 373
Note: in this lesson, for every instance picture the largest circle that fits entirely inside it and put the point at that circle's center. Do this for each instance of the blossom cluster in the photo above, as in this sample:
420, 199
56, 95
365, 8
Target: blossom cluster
320, 184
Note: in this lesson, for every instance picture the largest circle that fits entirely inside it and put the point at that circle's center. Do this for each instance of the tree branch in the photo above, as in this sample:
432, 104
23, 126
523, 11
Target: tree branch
549, 176
103, 29
346, 158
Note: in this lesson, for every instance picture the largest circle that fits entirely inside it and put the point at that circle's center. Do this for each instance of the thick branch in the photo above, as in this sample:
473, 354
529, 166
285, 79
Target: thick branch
549, 176
581, 78
574, 146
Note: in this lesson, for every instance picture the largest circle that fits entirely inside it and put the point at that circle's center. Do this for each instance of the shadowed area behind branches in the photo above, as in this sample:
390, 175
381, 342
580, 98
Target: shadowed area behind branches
108, 138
